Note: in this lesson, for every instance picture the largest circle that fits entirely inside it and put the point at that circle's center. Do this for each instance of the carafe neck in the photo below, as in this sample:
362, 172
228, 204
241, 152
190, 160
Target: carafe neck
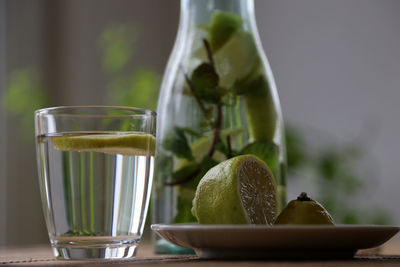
198, 12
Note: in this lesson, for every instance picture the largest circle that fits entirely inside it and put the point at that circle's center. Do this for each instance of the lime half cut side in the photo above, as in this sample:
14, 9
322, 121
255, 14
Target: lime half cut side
240, 190
111, 143
257, 190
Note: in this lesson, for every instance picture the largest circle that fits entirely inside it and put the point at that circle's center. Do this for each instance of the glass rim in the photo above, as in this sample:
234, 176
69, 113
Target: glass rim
136, 111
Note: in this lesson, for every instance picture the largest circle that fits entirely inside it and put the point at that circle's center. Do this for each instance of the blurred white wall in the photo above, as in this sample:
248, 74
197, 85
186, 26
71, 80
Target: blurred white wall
337, 68
27, 43
76, 29
2, 124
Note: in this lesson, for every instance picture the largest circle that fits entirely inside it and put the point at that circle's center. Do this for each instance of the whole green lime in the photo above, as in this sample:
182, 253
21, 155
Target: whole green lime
240, 190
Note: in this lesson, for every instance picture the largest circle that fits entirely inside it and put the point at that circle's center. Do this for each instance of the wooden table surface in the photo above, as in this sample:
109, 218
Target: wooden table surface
386, 255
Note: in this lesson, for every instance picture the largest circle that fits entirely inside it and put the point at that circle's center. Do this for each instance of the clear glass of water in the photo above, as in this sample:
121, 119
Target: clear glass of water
95, 168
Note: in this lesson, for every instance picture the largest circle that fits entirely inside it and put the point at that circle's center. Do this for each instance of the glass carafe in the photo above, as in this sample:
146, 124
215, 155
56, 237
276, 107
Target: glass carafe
218, 99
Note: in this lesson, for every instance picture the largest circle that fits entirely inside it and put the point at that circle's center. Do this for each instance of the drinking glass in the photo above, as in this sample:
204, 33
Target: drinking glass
95, 168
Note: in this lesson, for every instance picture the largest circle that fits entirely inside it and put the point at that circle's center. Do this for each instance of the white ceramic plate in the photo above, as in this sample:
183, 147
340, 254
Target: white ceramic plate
259, 241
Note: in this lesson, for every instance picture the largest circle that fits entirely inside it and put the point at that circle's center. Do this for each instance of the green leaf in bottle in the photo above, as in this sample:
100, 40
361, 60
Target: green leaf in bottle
187, 190
177, 143
205, 83
185, 173
191, 132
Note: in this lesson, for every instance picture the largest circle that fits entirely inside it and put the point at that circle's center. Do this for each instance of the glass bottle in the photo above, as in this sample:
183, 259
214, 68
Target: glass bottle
218, 99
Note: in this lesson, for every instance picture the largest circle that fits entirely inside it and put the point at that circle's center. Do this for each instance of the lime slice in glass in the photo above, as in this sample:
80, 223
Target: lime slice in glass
115, 143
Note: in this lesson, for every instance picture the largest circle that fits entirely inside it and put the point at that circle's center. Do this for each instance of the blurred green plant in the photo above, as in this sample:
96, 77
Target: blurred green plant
117, 44
127, 86
341, 183
25, 94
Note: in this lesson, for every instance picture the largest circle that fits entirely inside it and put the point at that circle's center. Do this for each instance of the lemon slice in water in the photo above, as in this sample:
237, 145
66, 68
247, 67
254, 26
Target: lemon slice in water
241, 190
119, 143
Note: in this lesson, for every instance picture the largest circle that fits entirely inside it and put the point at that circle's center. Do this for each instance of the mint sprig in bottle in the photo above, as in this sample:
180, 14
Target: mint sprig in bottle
218, 100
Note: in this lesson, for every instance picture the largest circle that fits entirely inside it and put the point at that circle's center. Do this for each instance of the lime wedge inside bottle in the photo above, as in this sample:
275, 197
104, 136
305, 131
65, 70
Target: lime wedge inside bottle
236, 59
115, 143
223, 25
201, 146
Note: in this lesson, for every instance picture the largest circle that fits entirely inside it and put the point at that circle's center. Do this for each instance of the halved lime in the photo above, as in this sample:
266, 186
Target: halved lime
241, 190
304, 210
116, 143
